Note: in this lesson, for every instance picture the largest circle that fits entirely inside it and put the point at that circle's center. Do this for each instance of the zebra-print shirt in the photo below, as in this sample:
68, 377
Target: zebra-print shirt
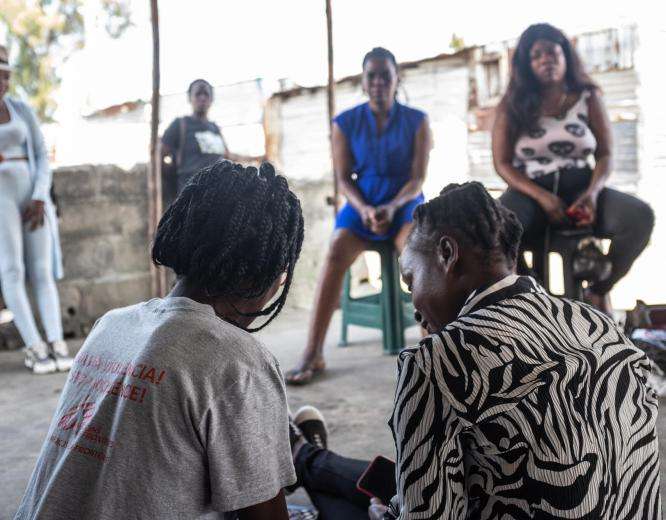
527, 406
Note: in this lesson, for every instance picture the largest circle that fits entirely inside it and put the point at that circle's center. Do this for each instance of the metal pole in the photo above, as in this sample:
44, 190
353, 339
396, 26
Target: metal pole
330, 92
157, 277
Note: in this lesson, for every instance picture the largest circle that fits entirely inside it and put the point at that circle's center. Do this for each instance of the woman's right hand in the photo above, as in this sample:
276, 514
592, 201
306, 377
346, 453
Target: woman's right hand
368, 215
553, 206
33, 214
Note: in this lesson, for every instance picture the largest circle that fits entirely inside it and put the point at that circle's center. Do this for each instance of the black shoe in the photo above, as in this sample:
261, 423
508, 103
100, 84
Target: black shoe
310, 422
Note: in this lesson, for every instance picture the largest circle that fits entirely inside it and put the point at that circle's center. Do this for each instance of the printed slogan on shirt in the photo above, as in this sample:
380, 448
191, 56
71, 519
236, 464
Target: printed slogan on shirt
102, 377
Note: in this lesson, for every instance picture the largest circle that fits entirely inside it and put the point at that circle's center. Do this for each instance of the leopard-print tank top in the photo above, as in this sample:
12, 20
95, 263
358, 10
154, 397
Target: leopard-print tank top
557, 142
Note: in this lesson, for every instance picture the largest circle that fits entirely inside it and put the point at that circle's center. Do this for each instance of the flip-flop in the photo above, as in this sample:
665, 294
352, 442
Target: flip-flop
304, 376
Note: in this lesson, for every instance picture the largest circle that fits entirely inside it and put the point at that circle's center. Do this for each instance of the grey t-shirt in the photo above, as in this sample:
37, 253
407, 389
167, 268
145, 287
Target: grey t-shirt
168, 412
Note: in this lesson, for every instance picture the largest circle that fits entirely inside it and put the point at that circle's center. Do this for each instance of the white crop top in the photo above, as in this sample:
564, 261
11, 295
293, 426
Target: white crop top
13, 135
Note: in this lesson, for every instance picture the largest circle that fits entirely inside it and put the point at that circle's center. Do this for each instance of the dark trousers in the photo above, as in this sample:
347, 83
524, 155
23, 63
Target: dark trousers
626, 220
330, 481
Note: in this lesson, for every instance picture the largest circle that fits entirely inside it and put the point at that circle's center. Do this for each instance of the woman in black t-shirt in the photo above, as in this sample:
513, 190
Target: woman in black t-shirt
193, 142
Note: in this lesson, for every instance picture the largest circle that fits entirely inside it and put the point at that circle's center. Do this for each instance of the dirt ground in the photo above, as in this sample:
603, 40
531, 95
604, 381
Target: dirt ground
355, 395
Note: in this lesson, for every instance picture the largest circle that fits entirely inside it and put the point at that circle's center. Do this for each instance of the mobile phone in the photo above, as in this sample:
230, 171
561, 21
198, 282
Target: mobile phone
378, 480
577, 214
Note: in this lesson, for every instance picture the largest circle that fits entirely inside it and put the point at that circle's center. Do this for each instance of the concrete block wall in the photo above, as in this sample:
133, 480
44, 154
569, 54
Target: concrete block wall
103, 230
319, 222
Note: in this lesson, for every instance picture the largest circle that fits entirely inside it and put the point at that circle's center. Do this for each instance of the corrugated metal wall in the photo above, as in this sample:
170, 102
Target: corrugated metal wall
299, 126
646, 278
620, 91
620, 95
441, 89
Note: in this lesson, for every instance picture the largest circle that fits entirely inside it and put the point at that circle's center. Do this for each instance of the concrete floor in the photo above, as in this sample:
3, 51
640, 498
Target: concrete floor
355, 395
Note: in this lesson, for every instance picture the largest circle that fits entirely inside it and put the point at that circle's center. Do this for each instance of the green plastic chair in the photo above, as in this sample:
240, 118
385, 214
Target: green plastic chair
390, 311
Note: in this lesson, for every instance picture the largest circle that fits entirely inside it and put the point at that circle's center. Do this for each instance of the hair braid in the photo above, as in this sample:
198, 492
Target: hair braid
233, 231
470, 211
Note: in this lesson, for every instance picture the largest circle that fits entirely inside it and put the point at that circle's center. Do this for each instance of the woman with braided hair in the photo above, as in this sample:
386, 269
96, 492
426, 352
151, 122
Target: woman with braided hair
172, 408
380, 156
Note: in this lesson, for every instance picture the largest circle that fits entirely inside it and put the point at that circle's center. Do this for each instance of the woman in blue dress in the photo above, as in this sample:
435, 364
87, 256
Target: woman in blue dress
380, 157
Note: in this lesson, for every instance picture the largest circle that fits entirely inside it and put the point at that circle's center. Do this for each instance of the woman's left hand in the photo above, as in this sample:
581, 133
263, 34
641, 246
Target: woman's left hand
587, 205
33, 214
377, 510
383, 219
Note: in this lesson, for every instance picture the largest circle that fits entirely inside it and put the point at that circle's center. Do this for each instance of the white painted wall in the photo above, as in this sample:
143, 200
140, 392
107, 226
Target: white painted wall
302, 126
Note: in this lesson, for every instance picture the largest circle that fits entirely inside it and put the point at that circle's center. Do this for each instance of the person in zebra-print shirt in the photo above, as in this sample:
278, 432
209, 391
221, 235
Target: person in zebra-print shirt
519, 404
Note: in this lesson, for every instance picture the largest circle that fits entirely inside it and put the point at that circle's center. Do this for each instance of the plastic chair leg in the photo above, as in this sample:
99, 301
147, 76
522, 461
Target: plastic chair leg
572, 288
346, 287
392, 331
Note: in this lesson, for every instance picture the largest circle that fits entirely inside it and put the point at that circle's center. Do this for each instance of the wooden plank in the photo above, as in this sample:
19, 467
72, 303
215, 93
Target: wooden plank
157, 275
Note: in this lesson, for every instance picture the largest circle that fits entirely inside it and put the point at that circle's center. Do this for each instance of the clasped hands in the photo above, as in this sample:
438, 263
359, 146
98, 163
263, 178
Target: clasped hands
378, 219
581, 213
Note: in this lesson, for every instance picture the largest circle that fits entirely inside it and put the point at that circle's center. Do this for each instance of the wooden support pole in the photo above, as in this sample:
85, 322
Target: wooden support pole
157, 275
330, 93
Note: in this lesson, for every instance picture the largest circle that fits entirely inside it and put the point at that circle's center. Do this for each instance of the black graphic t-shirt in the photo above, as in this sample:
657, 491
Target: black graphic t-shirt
557, 142
203, 146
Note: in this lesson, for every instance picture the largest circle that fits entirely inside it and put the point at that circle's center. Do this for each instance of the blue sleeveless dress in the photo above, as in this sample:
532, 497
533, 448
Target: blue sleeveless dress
383, 163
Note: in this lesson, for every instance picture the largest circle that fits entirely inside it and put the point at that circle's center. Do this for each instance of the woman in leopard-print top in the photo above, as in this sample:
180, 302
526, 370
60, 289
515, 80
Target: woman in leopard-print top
552, 144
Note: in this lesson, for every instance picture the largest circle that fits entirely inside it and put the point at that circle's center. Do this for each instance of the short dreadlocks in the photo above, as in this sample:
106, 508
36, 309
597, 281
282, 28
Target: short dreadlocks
469, 211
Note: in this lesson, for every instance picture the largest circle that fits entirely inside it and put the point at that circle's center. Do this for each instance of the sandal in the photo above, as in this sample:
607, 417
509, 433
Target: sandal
303, 376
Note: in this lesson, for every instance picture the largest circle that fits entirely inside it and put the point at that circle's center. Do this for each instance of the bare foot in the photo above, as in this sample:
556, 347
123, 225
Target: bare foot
305, 371
600, 301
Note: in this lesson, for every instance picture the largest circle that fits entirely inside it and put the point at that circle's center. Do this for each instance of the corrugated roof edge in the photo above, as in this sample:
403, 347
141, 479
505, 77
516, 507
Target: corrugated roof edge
113, 110
356, 78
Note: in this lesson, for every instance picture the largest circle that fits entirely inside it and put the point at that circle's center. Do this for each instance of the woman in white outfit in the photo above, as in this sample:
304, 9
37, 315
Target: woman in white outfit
29, 241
